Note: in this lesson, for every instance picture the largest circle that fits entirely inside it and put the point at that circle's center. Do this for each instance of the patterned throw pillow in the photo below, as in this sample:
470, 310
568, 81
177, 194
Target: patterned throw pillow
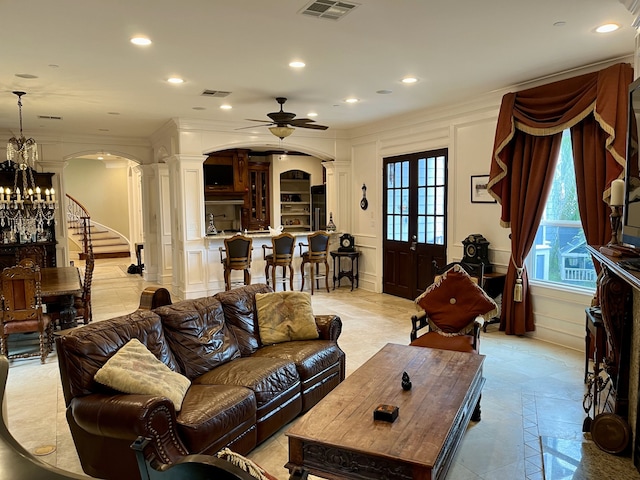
134, 369
454, 300
285, 316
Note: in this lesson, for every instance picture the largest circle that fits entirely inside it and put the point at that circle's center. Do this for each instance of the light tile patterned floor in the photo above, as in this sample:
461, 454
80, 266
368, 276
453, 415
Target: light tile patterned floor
532, 389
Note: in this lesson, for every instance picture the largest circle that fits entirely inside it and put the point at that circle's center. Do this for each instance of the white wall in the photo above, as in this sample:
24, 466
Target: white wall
467, 131
103, 191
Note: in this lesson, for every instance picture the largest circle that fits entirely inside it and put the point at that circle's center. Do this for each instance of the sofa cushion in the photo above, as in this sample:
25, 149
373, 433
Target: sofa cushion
85, 350
285, 316
459, 343
134, 369
198, 335
310, 356
268, 378
454, 300
214, 415
240, 313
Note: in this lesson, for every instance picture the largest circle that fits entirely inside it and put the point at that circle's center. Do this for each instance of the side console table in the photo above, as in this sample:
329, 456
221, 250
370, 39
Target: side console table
352, 274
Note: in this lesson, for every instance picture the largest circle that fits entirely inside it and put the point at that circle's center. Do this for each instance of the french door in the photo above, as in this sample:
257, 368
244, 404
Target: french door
415, 221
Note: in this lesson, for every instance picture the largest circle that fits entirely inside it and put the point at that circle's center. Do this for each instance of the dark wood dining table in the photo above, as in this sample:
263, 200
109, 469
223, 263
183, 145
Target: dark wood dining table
61, 284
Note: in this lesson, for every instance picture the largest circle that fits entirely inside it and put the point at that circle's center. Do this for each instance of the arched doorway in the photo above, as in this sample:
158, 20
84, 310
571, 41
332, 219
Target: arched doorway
108, 186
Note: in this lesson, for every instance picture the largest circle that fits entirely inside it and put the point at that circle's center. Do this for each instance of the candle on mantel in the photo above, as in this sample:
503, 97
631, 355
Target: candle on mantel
617, 193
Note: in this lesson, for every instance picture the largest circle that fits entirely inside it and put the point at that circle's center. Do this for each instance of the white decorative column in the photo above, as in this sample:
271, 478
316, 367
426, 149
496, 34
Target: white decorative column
339, 193
636, 57
62, 246
187, 226
156, 198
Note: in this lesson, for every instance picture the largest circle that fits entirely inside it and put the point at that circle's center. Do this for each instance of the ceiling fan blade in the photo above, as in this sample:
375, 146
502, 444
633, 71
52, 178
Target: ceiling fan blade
254, 120
255, 126
300, 121
313, 126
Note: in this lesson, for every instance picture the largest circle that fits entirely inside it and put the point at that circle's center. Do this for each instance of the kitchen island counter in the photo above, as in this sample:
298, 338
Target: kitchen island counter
213, 243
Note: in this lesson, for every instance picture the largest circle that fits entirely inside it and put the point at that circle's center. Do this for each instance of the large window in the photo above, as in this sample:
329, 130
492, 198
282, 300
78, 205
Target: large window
559, 254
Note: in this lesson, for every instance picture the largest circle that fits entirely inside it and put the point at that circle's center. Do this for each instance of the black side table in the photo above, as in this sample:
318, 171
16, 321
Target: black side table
351, 274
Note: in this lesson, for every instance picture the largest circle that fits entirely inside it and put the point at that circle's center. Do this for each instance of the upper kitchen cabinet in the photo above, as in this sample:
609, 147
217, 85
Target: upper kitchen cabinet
226, 172
256, 215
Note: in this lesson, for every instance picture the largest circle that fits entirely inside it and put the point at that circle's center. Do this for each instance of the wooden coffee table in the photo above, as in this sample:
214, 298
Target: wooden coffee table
339, 439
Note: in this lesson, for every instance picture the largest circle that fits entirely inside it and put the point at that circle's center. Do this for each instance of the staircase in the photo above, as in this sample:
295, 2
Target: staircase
84, 232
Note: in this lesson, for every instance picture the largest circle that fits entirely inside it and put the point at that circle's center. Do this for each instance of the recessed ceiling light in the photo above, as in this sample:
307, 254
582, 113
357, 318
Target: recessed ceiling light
175, 80
409, 80
141, 41
226, 107
608, 27
297, 64
312, 114
100, 158
352, 100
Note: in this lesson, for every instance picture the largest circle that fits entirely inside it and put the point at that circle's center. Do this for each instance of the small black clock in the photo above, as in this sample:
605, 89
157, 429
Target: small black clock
476, 250
347, 243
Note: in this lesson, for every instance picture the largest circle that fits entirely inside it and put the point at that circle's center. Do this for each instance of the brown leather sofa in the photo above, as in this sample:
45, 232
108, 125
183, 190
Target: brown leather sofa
241, 391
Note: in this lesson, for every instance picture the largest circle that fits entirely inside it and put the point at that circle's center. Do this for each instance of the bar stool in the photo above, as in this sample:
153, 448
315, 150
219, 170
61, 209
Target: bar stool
317, 253
238, 249
282, 246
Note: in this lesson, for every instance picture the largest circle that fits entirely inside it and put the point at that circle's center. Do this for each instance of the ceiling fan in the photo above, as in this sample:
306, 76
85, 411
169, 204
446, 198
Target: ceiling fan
284, 122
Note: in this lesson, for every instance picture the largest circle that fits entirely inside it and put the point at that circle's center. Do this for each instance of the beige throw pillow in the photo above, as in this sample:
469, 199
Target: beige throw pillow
285, 316
134, 369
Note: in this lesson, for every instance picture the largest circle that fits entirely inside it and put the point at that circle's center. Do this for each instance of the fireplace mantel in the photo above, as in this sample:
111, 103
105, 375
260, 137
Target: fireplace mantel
619, 296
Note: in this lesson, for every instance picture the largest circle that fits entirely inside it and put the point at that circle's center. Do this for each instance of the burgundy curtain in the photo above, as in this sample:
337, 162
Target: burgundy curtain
589, 161
526, 145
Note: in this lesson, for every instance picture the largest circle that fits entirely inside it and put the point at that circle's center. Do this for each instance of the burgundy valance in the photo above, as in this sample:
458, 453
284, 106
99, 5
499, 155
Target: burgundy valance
552, 108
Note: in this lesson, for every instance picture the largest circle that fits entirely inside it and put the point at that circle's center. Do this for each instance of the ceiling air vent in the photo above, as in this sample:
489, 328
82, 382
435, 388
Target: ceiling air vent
215, 93
328, 9
49, 117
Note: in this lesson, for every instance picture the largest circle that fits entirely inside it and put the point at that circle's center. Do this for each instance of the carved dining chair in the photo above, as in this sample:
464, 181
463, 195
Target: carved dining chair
454, 309
316, 254
22, 310
239, 250
282, 248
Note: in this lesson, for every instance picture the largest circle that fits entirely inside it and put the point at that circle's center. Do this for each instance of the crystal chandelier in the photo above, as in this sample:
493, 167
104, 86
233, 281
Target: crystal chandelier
24, 209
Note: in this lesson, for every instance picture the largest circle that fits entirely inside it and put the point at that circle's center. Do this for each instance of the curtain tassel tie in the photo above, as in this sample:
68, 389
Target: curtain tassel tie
517, 289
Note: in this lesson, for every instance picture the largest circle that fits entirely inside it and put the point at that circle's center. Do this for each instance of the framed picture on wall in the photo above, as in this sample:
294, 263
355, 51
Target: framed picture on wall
479, 192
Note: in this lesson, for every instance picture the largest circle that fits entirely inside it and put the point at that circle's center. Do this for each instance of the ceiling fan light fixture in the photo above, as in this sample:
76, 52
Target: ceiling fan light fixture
281, 132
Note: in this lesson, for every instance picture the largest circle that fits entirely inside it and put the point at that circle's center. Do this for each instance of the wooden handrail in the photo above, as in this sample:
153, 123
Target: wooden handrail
79, 215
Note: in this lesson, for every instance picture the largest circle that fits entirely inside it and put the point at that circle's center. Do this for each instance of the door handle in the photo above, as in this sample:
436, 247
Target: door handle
414, 243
